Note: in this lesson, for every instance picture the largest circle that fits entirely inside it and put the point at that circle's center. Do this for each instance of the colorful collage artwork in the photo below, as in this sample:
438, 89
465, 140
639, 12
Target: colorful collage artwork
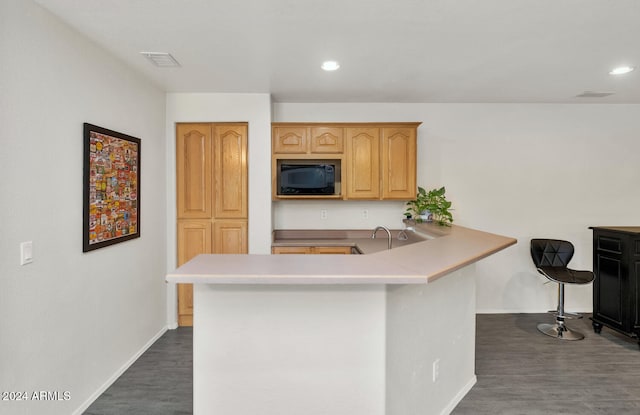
113, 188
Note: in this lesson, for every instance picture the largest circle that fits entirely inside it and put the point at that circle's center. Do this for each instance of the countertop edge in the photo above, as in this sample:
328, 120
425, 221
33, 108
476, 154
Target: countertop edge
418, 263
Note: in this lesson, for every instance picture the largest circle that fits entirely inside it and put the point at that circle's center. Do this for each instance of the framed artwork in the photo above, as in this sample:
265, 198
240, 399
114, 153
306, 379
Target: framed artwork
111, 191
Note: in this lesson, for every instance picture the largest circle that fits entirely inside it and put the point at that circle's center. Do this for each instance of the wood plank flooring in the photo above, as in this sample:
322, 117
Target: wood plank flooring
520, 371
160, 382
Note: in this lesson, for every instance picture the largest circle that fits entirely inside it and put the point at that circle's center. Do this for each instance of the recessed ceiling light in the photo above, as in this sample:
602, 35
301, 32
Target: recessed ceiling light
330, 65
161, 59
621, 70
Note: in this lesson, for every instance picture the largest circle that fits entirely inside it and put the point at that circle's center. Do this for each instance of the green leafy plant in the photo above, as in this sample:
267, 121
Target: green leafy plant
433, 201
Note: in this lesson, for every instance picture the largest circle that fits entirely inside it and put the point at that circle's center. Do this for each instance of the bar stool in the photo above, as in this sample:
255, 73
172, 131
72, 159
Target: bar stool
551, 257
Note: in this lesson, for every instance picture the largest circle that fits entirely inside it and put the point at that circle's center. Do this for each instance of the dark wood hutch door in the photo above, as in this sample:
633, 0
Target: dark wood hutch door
616, 288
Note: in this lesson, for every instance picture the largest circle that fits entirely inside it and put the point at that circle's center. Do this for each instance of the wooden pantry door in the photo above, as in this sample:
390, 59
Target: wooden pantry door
211, 189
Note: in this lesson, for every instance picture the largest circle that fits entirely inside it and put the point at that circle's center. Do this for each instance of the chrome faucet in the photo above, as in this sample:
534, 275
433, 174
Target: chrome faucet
373, 236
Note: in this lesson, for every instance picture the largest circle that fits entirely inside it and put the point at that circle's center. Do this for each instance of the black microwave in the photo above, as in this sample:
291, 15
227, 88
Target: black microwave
306, 179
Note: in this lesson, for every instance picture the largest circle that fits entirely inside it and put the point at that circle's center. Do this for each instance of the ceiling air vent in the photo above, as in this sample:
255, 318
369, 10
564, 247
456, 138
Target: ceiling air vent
161, 59
592, 94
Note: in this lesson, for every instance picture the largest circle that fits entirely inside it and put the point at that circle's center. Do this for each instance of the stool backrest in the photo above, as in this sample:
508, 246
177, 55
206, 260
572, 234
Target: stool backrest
551, 252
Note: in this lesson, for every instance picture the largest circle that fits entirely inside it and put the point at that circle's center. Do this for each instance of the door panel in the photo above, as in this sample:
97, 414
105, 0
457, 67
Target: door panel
363, 177
230, 237
609, 290
398, 163
193, 164
290, 140
327, 140
230, 167
194, 238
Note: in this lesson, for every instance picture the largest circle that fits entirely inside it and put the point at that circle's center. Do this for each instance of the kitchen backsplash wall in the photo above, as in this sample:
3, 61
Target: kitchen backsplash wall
337, 214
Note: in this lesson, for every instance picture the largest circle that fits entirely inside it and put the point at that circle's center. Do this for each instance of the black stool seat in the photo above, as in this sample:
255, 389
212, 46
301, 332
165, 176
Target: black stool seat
566, 275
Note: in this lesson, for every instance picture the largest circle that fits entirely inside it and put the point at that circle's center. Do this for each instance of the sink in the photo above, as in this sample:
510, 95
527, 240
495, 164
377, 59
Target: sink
369, 246
360, 239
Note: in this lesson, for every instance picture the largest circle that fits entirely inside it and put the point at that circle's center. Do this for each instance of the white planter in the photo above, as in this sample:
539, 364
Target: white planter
426, 216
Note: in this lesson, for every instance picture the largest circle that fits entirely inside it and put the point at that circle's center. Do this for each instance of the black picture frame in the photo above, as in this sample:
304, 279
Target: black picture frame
111, 187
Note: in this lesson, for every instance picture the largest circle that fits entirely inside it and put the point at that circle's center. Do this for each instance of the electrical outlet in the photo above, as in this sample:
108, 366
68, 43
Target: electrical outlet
323, 214
365, 214
436, 370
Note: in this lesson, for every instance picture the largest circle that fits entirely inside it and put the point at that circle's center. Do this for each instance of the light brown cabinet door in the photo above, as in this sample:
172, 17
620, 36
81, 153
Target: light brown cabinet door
280, 250
230, 170
342, 250
398, 159
194, 238
230, 237
363, 163
290, 140
193, 165
327, 140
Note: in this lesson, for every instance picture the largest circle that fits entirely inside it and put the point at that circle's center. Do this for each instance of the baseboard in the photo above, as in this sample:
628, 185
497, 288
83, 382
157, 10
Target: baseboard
459, 396
118, 373
503, 311
537, 311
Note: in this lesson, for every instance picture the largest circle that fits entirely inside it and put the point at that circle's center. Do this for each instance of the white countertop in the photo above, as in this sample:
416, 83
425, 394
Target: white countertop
417, 263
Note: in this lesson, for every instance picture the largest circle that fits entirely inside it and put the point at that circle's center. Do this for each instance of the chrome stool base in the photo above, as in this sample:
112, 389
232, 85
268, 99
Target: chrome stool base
559, 331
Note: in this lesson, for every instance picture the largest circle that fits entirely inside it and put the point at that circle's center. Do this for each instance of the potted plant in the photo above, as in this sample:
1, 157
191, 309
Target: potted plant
430, 206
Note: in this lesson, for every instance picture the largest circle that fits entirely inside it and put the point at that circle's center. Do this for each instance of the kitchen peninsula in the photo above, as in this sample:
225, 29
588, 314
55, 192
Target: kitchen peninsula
391, 332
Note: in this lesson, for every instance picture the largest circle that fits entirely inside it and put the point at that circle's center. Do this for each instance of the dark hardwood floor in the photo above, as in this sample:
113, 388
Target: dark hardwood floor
160, 382
520, 371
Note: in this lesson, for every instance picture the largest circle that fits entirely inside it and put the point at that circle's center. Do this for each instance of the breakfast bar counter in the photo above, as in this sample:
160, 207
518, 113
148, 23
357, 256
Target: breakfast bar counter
441, 251
389, 332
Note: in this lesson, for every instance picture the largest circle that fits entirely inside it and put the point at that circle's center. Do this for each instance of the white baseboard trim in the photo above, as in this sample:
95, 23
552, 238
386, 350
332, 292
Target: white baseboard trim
461, 394
118, 373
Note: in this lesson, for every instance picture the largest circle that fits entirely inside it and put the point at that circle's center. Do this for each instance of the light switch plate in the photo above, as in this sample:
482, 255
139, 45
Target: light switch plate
26, 253
436, 370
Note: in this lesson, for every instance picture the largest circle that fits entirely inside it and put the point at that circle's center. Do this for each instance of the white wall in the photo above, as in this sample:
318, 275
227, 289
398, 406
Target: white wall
522, 170
252, 108
70, 321
425, 324
289, 349
351, 214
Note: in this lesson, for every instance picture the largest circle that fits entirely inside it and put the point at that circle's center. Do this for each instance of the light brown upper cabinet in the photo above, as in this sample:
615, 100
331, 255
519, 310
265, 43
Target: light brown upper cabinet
363, 163
326, 140
305, 139
289, 140
378, 160
398, 163
381, 162
211, 185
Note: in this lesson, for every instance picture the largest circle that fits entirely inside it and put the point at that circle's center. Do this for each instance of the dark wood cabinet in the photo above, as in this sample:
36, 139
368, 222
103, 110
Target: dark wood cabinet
616, 288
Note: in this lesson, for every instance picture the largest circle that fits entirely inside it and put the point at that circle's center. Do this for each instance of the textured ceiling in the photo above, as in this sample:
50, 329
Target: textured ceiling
389, 51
